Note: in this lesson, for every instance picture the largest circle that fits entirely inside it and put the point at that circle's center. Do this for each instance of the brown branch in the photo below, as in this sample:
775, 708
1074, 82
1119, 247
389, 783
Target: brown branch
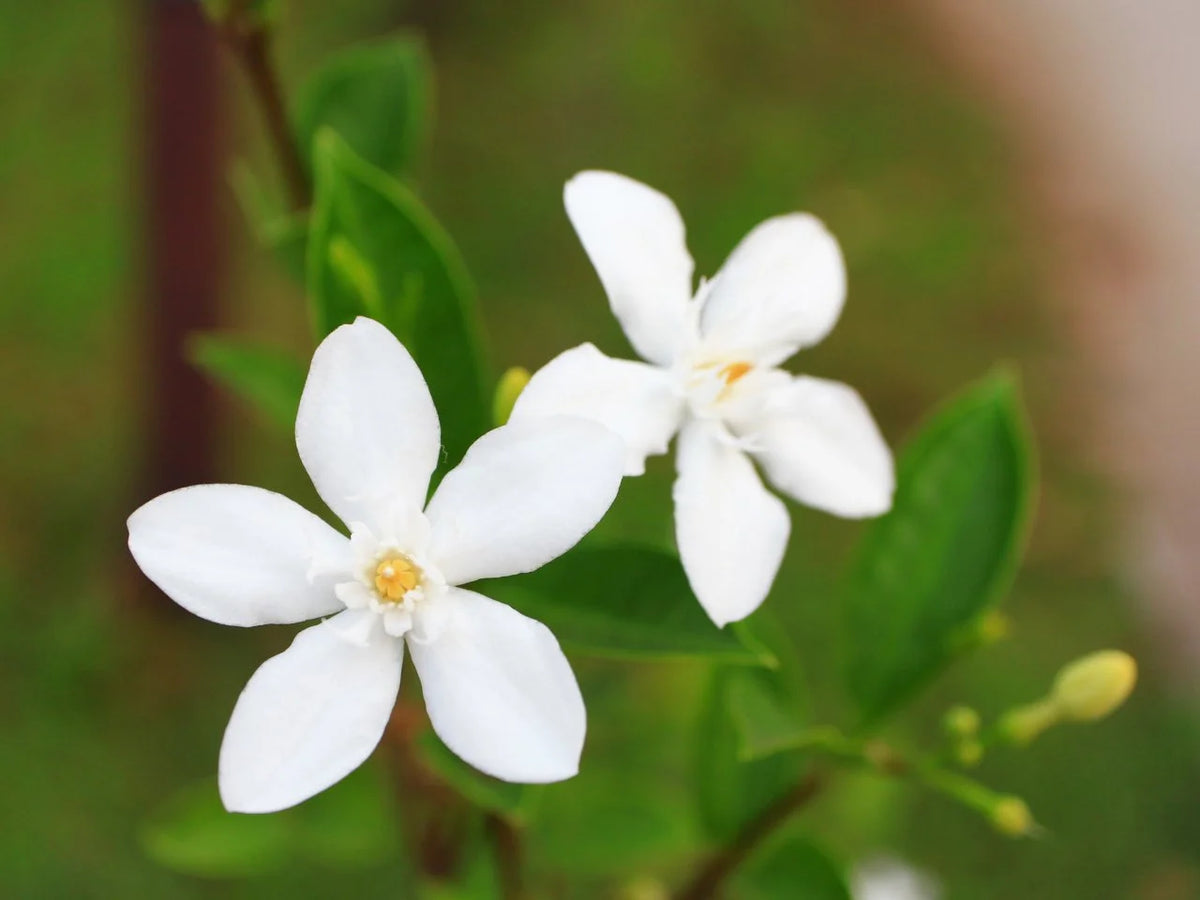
250, 41
725, 861
506, 844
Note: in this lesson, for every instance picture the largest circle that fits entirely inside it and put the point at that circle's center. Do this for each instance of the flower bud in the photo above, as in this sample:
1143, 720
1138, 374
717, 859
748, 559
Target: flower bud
961, 722
1092, 687
508, 389
1011, 816
968, 753
644, 888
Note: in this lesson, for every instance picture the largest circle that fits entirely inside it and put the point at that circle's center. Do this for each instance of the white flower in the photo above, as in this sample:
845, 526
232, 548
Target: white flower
711, 376
498, 689
885, 878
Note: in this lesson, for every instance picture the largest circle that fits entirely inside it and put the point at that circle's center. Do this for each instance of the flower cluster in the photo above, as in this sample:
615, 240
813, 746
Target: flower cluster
499, 691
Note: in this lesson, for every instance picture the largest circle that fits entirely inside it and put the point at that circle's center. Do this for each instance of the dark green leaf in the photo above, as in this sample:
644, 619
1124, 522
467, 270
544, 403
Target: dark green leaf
623, 601
511, 800
792, 869
946, 552
269, 379
376, 96
375, 250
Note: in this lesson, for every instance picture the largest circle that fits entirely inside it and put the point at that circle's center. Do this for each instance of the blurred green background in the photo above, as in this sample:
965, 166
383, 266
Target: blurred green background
111, 702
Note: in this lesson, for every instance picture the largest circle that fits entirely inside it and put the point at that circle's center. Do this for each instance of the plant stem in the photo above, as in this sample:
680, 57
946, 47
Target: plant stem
725, 861
506, 844
250, 41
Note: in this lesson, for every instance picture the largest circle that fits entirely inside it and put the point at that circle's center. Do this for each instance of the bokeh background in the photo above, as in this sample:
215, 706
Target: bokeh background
1010, 183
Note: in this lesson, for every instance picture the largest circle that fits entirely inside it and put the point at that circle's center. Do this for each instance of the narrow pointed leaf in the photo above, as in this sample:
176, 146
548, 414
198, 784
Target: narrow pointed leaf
267, 378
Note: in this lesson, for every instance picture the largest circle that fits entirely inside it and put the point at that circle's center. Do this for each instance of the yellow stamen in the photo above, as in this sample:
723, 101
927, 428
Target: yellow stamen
395, 576
734, 371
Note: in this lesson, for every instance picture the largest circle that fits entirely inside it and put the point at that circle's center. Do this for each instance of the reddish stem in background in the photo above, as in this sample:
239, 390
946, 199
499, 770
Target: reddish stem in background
184, 257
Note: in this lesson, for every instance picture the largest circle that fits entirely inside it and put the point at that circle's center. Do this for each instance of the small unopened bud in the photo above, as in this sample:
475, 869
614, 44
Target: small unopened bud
1011, 816
508, 389
961, 722
969, 752
994, 626
1092, 687
644, 888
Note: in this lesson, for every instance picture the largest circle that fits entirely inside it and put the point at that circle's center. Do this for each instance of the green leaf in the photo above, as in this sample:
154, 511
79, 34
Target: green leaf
283, 232
351, 825
269, 379
768, 707
948, 550
623, 601
732, 791
750, 720
377, 96
511, 800
375, 250
792, 868
192, 833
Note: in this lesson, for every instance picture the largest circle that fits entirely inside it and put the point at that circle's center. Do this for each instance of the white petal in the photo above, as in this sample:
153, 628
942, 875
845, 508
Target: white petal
634, 237
500, 693
239, 555
730, 530
523, 494
817, 442
781, 289
367, 430
309, 716
637, 401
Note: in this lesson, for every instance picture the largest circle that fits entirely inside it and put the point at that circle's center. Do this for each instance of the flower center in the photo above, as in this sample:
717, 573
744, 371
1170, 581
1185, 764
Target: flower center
395, 576
733, 372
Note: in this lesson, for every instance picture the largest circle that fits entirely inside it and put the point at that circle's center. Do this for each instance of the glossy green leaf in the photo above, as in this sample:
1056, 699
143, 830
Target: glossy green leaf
511, 800
375, 250
377, 96
269, 379
946, 552
792, 868
623, 601
351, 825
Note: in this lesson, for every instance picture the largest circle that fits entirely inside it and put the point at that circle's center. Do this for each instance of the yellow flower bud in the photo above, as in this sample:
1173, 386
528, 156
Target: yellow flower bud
1011, 816
508, 389
1092, 687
